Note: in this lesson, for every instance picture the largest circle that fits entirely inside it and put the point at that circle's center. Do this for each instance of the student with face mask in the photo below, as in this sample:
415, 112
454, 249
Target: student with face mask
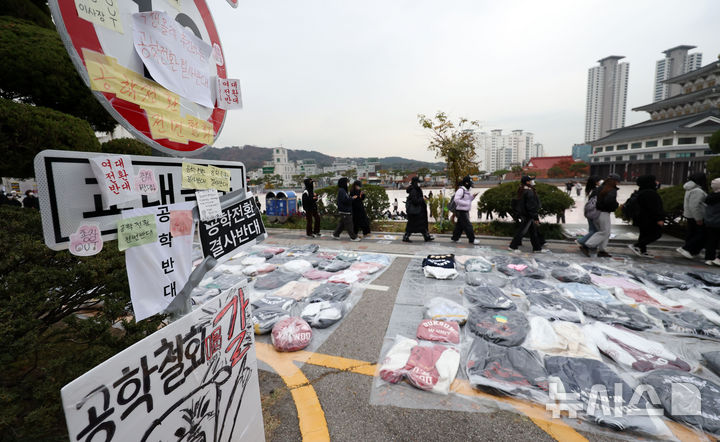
528, 204
463, 199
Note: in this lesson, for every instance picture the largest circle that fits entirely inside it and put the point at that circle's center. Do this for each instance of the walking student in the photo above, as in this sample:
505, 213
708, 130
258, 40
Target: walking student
649, 216
361, 222
712, 224
416, 212
527, 206
463, 200
606, 204
344, 204
591, 186
694, 212
309, 202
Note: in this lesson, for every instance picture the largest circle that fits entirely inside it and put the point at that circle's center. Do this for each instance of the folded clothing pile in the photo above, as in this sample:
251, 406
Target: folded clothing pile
560, 338
439, 331
505, 327
443, 309
329, 292
323, 314
291, 334
488, 297
440, 266
429, 367
478, 264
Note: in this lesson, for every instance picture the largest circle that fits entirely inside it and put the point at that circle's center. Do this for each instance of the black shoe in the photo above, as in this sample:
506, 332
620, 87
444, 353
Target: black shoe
585, 251
428, 238
406, 238
604, 255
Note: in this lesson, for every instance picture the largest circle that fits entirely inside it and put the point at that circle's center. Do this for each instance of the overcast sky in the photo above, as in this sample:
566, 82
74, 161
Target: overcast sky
349, 78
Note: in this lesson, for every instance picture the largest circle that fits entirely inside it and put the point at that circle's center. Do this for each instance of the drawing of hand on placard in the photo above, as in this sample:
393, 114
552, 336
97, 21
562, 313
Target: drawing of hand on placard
86, 241
181, 222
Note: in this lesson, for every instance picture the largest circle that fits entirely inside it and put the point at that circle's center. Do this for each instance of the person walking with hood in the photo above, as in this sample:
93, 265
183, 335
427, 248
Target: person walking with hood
592, 184
463, 200
712, 224
344, 205
694, 212
650, 216
361, 222
416, 212
309, 202
606, 204
527, 207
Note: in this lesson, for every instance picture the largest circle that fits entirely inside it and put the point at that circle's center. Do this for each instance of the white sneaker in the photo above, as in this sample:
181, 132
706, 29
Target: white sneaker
647, 255
476, 242
542, 251
716, 262
356, 239
684, 253
514, 250
636, 250
709, 263
336, 237
318, 235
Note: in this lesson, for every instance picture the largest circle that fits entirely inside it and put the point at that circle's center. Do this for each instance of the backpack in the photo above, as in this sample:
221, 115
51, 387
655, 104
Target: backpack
452, 205
590, 210
631, 208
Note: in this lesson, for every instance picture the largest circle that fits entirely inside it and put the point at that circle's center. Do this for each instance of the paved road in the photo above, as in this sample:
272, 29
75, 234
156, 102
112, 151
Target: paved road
340, 371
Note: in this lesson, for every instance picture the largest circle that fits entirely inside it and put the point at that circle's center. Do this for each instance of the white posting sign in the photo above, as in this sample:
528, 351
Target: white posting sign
70, 196
117, 186
174, 56
228, 93
195, 379
208, 204
159, 270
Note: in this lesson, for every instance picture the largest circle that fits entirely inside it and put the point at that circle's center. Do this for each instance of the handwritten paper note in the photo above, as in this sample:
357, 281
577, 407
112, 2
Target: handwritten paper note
208, 204
104, 13
145, 182
219, 178
195, 176
181, 223
114, 175
228, 93
136, 231
86, 241
174, 56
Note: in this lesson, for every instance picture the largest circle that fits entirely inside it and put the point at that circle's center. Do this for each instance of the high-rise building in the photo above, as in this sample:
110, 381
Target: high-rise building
502, 151
606, 97
677, 61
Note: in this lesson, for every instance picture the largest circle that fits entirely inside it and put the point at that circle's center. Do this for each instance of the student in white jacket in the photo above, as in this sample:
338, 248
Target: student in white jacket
463, 200
694, 212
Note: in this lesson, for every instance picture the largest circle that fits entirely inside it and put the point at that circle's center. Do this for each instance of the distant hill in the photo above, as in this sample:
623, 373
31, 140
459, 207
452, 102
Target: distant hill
254, 156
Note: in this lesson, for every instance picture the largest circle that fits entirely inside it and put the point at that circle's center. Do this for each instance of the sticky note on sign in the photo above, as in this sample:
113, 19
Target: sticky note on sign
195, 176
103, 13
208, 204
219, 178
86, 241
136, 231
181, 222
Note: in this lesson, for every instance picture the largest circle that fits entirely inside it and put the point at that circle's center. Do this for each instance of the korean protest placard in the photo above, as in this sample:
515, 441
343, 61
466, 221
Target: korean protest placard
240, 224
208, 204
135, 231
195, 379
159, 270
87, 241
228, 93
174, 56
219, 178
195, 176
103, 13
114, 175
145, 182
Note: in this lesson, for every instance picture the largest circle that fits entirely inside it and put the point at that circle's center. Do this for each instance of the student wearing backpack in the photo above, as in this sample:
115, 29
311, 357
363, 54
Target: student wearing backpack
646, 211
462, 200
694, 212
590, 211
606, 204
712, 224
527, 206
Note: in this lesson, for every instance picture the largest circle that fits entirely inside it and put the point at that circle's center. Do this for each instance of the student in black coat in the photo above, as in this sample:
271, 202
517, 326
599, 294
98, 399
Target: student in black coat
651, 216
361, 222
309, 203
344, 205
416, 212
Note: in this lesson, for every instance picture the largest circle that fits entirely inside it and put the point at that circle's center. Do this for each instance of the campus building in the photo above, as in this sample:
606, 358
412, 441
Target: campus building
606, 97
677, 61
673, 143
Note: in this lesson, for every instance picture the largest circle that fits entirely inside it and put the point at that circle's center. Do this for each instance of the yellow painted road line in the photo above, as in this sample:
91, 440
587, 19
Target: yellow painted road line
311, 417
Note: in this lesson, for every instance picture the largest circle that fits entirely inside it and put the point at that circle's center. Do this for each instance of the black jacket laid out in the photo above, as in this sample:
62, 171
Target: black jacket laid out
649, 202
712, 210
308, 200
608, 202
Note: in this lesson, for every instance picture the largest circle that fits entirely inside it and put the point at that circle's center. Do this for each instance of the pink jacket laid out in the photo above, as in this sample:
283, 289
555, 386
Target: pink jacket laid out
463, 199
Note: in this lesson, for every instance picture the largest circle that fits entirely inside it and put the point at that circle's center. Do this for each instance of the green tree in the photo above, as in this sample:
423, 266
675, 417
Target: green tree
579, 168
453, 142
126, 146
714, 142
516, 169
26, 130
36, 69
713, 168
557, 172
497, 199
423, 171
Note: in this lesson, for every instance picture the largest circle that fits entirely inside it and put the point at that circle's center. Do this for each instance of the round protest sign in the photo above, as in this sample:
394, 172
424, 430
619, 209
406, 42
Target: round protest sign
153, 64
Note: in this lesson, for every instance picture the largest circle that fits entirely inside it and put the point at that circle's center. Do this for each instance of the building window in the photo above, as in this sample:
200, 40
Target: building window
706, 140
609, 148
685, 155
622, 147
663, 155
633, 157
652, 143
606, 159
618, 158
708, 152
635, 145
667, 142
648, 156
594, 160
686, 140
598, 149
